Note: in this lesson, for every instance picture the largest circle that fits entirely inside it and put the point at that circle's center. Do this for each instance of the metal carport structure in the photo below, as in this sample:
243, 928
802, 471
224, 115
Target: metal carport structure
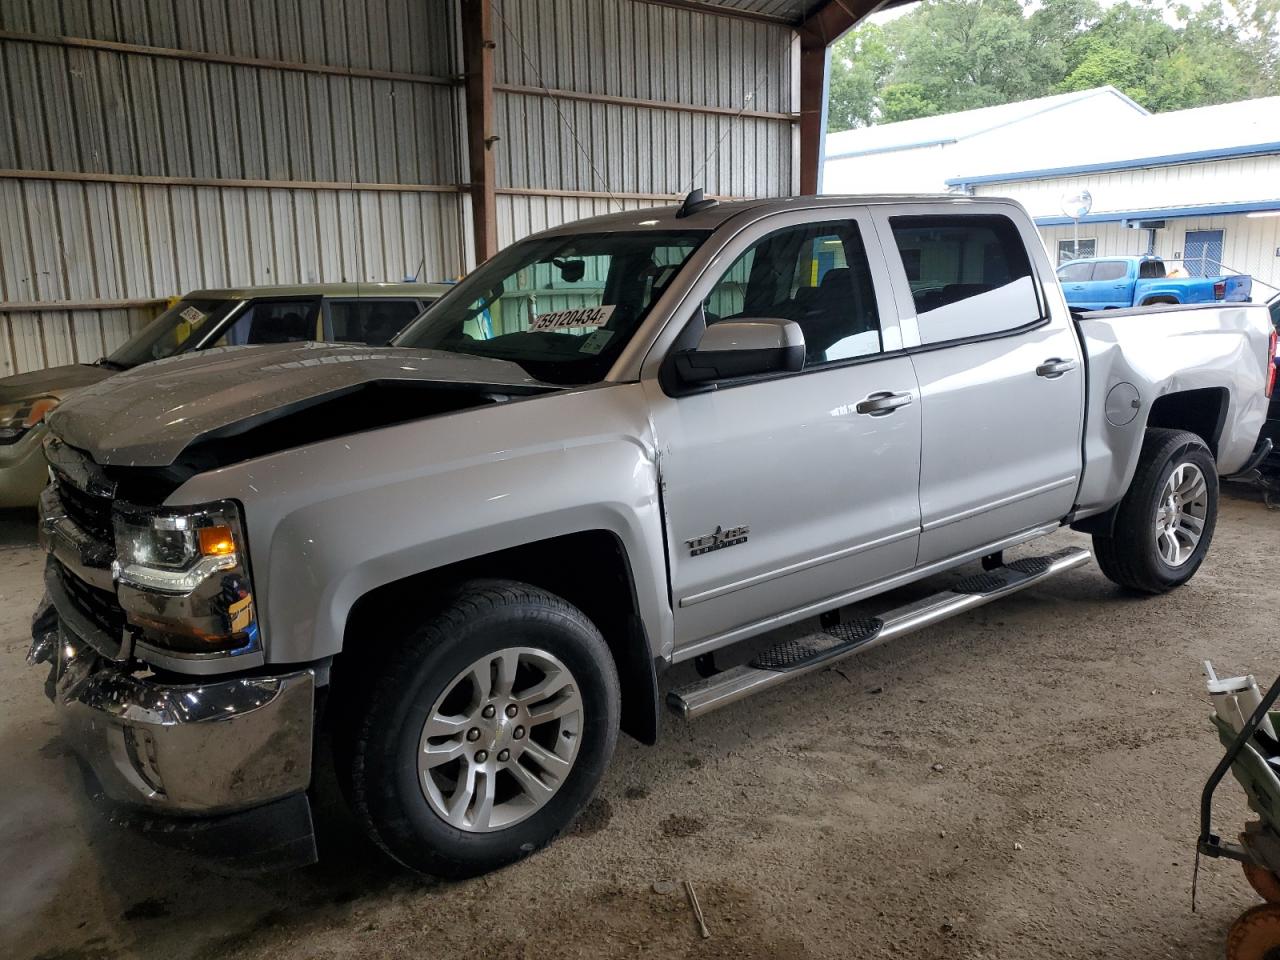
158, 146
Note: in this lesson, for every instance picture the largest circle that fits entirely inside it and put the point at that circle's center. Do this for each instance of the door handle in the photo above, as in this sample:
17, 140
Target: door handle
882, 403
1054, 367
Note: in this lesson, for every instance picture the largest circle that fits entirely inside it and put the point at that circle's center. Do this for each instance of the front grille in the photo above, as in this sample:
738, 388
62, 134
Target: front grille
86, 612
84, 488
90, 513
100, 606
84, 496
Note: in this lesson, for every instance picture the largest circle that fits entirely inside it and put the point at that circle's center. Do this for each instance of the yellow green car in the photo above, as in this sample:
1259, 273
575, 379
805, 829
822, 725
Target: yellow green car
370, 313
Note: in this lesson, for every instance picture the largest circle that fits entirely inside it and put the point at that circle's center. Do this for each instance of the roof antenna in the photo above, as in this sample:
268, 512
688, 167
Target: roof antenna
694, 202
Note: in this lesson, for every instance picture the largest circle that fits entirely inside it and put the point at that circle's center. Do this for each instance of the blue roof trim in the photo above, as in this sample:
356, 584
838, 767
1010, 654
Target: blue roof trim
1217, 153
1166, 213
1049, 108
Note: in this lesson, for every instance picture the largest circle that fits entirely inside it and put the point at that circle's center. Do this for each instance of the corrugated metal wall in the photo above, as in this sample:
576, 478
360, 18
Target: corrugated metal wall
736, 82
188, 167
151, 147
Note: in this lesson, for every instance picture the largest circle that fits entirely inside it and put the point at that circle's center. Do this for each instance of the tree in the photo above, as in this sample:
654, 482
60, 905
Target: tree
949, 55
905, 101
859, 65
1106, 64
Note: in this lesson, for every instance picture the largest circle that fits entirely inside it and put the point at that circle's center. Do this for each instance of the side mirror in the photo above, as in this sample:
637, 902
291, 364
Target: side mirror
743, 348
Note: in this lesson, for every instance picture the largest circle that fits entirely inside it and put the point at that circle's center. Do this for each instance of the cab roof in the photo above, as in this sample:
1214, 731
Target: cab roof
716, 215
356, 290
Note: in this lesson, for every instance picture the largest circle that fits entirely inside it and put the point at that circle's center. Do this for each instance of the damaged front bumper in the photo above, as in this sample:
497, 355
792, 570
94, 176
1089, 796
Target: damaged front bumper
195, 755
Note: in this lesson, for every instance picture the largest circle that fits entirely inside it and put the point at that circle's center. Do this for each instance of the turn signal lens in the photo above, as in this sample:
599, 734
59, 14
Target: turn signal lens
38, 410
217, 542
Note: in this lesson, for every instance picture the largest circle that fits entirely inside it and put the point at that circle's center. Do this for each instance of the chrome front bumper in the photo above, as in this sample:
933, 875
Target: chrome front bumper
182, 749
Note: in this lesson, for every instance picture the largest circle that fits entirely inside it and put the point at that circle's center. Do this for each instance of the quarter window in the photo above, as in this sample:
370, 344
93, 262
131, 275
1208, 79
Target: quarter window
817, 276
969, 275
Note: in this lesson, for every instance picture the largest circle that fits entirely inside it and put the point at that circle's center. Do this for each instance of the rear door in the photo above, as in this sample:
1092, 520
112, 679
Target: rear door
1001, 376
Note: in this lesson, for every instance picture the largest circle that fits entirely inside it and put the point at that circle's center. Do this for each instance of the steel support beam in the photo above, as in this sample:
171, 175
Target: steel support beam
477, 57
823, 27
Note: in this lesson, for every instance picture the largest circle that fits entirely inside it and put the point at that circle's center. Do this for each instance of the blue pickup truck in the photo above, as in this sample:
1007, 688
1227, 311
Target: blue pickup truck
1106, 282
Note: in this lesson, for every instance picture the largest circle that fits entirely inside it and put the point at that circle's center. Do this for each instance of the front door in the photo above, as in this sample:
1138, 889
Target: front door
1001, 378
786, 490
1074, 278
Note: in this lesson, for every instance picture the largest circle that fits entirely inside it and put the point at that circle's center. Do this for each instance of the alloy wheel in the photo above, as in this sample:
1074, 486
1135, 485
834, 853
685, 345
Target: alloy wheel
501, 739
1180, 514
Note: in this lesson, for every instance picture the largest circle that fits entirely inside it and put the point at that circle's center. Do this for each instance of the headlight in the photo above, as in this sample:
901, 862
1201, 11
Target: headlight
183, 577
17, 418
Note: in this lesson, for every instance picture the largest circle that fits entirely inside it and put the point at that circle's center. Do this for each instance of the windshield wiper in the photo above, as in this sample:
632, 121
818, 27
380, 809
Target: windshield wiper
109, 364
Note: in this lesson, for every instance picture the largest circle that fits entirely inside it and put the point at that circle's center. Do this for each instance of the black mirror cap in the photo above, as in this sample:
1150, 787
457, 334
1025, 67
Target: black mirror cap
714, 366
571, 271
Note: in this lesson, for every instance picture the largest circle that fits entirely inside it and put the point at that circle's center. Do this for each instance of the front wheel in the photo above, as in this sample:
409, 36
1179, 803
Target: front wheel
487, 733
1166, 520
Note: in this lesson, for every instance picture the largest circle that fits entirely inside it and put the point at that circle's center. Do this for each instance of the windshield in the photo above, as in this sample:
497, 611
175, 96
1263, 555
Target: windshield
177, 329
562, 308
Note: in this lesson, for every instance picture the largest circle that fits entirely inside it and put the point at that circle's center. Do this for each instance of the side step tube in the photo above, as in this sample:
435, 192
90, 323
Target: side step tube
792, 658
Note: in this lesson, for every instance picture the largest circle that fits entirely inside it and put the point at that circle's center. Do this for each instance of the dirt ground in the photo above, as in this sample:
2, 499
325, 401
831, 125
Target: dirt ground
1020, 782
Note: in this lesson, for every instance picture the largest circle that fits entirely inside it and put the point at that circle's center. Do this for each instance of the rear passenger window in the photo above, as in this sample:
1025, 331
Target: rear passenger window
370, 321
969, 275
815, 275
1110, 270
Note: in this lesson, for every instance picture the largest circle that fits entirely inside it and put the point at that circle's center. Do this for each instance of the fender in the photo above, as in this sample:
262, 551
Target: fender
445, 490
1151, 353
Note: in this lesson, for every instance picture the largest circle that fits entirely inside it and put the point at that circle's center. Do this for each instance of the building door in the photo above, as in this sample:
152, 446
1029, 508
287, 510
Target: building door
1202, 253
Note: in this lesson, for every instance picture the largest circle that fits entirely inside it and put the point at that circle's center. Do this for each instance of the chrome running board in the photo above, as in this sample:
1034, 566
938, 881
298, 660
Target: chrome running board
792, 658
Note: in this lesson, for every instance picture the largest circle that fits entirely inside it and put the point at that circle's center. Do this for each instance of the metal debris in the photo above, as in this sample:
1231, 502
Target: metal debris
697, 910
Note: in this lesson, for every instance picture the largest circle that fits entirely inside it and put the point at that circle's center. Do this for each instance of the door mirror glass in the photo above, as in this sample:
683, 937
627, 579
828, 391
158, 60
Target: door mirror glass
743, 347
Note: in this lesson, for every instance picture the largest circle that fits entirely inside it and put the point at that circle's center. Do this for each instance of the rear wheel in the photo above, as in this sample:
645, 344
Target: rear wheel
486, 735
1165, 522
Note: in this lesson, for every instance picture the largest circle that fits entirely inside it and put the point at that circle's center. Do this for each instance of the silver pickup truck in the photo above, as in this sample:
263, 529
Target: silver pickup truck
458, 566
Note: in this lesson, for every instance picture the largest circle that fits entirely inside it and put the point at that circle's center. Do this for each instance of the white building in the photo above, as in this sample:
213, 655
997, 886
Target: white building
1202, 185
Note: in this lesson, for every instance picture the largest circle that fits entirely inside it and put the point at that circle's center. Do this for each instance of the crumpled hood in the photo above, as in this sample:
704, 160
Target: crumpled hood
147, 416
51, 382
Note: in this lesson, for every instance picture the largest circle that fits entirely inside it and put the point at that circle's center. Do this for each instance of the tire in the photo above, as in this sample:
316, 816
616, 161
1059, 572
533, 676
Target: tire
436, 673
1135, 555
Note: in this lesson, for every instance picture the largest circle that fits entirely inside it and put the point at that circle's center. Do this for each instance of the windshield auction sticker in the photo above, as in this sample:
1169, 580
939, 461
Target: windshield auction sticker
193, 316
568, 319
